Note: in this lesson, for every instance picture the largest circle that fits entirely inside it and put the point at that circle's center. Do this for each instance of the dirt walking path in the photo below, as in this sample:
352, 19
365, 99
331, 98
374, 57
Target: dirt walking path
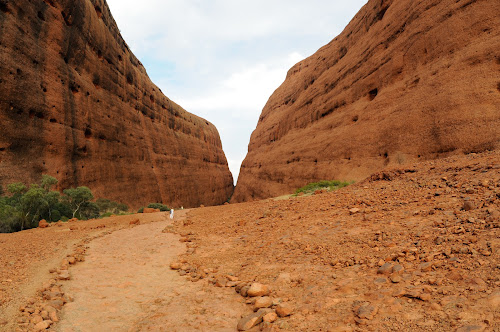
126, 284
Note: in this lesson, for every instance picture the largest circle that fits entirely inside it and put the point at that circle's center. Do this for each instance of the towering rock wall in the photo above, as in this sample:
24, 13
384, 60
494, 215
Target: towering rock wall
75, 103
405, 80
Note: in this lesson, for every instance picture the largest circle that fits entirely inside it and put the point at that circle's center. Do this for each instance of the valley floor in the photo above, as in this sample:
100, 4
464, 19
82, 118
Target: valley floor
409, 249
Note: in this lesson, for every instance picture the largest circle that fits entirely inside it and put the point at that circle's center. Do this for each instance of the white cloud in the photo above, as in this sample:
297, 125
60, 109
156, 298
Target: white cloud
247, 89
222, 59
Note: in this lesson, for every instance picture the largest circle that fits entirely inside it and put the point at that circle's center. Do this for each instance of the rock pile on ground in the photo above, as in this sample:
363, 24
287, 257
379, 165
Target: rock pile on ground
421, 252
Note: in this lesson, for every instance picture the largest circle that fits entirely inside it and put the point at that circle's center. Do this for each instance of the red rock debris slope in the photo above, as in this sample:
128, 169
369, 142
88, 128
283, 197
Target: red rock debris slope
404, 80
408, 249
75, 103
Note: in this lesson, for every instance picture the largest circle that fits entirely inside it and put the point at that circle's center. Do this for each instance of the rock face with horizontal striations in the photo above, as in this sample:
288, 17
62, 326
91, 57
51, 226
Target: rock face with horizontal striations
76, 104
405, 80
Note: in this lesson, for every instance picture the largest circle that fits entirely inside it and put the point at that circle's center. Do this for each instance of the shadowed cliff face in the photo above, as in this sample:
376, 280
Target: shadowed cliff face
75, 103
405, 80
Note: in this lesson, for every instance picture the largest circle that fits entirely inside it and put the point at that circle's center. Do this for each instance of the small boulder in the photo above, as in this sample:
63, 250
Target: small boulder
270, 317
284, 310
244, 291
426, 267
247, 322
385, 269
471, 328
367, 311
262, 302
468, 205
43, 224
354, 211
43, 325
64, 275
175, 265
257, 289
53, 316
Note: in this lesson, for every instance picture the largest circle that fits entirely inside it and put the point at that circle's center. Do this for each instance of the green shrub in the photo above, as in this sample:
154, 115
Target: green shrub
106, 215
324, 184
106, 205
159, 206
25, 207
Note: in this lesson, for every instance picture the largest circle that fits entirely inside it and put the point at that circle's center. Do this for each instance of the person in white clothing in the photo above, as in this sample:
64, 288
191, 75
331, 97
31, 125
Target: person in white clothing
171, 213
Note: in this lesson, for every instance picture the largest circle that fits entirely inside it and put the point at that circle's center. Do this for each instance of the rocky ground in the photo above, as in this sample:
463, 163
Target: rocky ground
408, 249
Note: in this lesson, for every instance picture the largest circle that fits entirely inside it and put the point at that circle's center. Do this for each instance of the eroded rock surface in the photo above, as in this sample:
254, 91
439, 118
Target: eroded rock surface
405, 80
75, 103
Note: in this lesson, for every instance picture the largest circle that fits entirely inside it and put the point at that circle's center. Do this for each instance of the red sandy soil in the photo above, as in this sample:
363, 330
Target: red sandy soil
409, 249
323, 257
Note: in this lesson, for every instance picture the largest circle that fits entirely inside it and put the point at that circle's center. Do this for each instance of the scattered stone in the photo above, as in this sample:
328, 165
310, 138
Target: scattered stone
354, 210
270, 317
136, 221
471, 328
232, 278
380, 281
244, 291
438, 241
247, 322
284, 310
36, 319
425, 297
220, 282
58, 304
257, 289
50, 309
64, 275
468, 205
436, 307
426, 267
175, 265
396, 279
397, 269
385, 269
262, 302
367, 311
43, 325
43, 224
53, 316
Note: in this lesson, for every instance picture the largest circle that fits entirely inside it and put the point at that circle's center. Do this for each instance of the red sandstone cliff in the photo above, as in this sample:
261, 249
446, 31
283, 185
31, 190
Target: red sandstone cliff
405, 80
75, 103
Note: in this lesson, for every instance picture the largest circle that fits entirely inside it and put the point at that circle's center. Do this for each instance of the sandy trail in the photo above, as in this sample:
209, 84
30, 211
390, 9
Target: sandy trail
126, 284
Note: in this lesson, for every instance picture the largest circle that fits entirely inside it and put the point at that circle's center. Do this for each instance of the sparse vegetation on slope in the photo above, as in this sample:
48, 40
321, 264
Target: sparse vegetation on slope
159, 206
24, 207
324, 184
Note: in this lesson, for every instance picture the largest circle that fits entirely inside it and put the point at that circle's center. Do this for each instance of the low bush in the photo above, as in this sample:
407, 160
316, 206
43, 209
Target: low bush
159, 206
26, 206
324, 184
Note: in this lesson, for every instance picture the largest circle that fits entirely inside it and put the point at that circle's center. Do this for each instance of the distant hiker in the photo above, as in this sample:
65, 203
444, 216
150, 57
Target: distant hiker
171, 213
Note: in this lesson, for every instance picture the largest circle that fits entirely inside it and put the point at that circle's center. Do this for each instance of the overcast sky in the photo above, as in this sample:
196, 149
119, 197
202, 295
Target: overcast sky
222, 59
